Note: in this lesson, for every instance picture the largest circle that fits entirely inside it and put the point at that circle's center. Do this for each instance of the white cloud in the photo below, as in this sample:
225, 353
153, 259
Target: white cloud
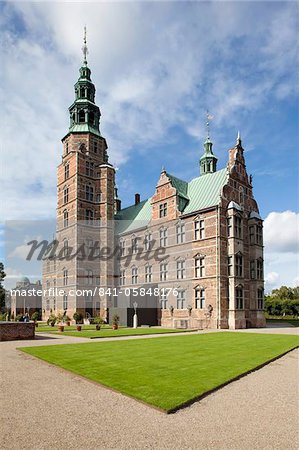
281, 237
281, 231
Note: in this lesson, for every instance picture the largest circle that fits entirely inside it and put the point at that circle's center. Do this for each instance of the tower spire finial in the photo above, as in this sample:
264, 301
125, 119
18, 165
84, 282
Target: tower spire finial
239, 141
209, 117
85, 48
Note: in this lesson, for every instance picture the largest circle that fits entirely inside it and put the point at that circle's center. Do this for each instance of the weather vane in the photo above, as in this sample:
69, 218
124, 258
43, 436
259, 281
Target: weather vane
84, 48
209, 117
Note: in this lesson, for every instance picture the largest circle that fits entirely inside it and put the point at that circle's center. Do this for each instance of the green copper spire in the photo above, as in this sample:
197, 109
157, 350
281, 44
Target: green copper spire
208, 161
84, 113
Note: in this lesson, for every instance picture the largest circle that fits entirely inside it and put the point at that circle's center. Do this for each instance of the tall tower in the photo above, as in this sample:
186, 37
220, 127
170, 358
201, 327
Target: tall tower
85, 209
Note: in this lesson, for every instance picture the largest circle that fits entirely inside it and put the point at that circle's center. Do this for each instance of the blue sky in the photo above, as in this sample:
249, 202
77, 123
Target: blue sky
157, 67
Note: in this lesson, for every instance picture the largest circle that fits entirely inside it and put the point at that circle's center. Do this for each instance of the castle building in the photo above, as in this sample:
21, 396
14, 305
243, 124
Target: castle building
190, 256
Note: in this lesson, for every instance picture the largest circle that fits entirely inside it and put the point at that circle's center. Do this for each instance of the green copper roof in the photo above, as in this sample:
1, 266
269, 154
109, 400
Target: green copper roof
180, 185
202, 192
84, 128
133, 217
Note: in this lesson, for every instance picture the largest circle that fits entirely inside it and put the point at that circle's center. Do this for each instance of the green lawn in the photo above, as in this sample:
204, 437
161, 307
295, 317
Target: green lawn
49, 329
167, 372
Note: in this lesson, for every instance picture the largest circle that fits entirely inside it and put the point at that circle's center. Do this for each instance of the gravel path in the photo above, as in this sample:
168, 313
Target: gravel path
43, 407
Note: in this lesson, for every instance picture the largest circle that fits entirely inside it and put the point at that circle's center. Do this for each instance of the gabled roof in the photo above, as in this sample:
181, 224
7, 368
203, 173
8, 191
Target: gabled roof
200, 193
133, 217
180, 185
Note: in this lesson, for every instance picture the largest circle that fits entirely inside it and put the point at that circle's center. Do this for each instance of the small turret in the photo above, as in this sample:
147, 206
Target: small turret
208, 161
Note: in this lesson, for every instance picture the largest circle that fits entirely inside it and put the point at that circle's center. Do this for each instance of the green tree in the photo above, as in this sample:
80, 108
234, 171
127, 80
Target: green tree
2, 290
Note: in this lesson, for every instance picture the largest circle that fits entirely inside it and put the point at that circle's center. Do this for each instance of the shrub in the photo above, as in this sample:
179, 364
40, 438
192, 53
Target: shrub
78, 317
98, 320
35, 316
52, 320
115, 319
20, 318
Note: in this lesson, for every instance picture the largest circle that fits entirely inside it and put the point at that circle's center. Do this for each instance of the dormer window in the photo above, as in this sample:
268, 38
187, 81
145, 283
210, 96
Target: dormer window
163, 210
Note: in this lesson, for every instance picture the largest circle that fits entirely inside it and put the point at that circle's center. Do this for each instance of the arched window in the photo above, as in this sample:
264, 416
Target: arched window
65, 218
88, 276
65, 194
89, 215
200, 297
239, 297
66, 171
260, 298
82, 92
81, 116
65, 248
65, 277
65, 302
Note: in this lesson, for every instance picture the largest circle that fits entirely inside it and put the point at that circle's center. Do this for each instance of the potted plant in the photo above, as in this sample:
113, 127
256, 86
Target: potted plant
60, 321
98, 321
52, 320
115, 321
67, 320
77, 317
35, 317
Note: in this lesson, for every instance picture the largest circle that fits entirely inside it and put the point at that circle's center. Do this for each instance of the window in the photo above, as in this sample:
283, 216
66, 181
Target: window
148, 241
199, 267
148, 274
88, 276
66, 171
230, 266
251, 234
95, 146
238, 227
134, 275
163, 271
239, 298
65, 218
48, 304
163, 237
260, 299
88, 215
259, 235
122, 246
134, 246
65, 277
65, 248
65, 194
259, 269
241, 195
99, 198
181, 269
65, 302
89, 169
163, 210
229, 226
252, 270
199, 298
239, 265
81, 116
122, 277
163, 300
89, 193
180, 233
181, 300
67, 148
199, 229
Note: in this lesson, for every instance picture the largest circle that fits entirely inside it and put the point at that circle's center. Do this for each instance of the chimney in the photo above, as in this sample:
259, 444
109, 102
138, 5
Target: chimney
137, 199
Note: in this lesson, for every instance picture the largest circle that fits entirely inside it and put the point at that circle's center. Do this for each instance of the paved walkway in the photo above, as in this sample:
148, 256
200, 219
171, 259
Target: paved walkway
43, 408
